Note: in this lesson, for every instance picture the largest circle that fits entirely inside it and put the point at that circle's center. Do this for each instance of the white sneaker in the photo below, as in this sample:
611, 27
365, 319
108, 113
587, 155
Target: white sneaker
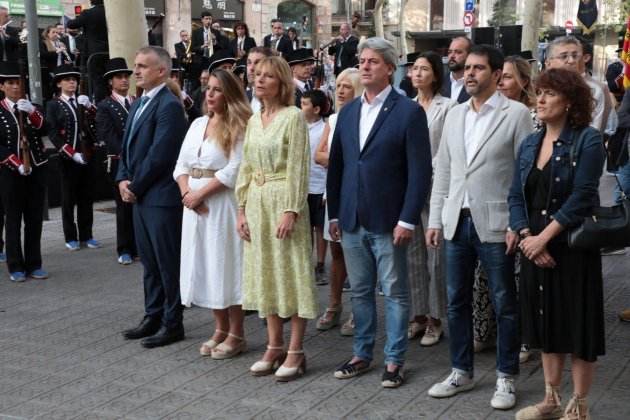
504, 397
454, 384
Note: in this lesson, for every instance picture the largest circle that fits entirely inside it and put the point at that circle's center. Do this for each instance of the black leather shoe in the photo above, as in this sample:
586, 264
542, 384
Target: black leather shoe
164, 337
147, 328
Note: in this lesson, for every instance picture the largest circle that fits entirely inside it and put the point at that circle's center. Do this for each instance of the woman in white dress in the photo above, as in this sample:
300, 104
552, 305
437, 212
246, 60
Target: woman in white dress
348, 87
211, 251
426, 268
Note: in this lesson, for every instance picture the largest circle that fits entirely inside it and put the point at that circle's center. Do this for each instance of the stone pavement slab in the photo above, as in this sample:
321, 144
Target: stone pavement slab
62, 356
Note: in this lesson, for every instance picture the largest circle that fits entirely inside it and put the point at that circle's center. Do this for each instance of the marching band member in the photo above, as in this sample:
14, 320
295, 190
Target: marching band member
22, 178
71, 129
111, 117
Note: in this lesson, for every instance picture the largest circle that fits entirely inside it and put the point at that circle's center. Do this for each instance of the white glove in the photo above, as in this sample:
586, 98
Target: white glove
25, 106
84, 100
78, 158
22, 170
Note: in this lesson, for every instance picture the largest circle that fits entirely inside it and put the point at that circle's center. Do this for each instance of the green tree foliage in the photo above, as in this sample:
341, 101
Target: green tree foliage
503, 13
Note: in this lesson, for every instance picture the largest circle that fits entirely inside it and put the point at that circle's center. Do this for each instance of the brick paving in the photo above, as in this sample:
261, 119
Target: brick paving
62, 356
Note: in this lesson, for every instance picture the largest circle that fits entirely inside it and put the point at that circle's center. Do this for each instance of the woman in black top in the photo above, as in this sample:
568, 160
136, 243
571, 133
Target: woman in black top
555, 186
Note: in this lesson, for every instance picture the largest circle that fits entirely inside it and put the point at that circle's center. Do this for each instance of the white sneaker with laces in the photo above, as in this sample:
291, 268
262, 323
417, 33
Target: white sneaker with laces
504, 397
454, 384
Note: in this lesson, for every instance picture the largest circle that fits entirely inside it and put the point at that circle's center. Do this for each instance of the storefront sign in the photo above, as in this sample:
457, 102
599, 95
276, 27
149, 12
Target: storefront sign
220, 9
153, 7
44, 7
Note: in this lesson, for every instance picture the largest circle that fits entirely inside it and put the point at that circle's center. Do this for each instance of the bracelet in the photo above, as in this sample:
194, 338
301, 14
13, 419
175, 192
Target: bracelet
525, 233
185, 194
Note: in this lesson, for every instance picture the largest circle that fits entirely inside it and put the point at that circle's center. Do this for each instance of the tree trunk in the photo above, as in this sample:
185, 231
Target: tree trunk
378, 18
532, 21
126, 29
402, 28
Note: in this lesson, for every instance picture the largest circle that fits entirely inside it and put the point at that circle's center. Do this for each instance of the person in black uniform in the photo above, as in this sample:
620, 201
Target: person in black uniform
205, 42
9, 38
111, 117
277, 40
22, 178
344, 49
94, 24
71, 129
242, 42
192, 112
301, 62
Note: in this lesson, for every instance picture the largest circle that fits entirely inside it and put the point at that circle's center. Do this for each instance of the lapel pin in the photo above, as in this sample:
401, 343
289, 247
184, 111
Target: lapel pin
385, 109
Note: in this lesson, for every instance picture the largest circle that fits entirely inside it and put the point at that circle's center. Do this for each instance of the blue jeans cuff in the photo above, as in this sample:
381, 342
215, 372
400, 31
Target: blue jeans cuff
506, 375
464, 372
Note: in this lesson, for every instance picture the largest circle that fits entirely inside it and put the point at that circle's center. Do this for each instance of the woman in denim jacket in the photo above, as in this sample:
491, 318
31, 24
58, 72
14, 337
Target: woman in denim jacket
561, 291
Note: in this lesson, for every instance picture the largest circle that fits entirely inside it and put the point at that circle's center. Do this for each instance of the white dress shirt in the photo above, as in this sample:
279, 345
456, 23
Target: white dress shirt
456, 86
121, 99
369, 112
475, 127
300, 85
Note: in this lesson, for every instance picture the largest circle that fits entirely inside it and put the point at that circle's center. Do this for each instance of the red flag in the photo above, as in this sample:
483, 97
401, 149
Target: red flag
625, 56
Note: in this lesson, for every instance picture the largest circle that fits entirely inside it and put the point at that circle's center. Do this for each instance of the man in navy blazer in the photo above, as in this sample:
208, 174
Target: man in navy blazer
378, 179
154, 134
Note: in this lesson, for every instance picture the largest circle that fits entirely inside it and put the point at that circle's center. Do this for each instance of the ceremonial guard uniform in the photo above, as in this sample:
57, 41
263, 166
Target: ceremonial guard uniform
22, 176
72, 130
297, 60
192, 112
111, 117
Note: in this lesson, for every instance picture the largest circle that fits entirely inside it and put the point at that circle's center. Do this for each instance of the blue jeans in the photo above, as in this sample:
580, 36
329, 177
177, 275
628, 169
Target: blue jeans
461, 255
368, 256
623, 174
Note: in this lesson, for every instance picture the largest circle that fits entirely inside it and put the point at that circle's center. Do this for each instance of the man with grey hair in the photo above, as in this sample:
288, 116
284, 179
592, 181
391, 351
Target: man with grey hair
569, 53
378, 179
344, 48
154, 133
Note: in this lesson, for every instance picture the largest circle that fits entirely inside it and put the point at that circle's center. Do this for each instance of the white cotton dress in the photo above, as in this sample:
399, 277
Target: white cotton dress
211, 252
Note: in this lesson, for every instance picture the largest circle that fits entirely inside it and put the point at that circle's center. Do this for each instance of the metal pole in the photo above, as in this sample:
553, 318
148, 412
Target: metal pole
34, 69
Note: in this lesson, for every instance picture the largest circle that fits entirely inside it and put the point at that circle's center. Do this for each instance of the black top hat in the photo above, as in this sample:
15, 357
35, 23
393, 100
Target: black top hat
220, 57
116, 65
411, 58
241, 66
527, 55
9, 70
299, 56
66, 70
175, 66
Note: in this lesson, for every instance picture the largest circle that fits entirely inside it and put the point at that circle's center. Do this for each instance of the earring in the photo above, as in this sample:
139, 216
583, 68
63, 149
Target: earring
566, 109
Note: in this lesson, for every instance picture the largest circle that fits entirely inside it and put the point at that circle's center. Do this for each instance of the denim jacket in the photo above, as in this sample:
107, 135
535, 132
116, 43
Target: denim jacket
574, 185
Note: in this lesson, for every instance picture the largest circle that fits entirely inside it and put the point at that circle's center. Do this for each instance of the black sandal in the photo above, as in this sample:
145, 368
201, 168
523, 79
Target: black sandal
392, 379
350, 370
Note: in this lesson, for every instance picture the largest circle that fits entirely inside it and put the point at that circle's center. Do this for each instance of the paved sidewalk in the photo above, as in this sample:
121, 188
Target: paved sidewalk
62, 356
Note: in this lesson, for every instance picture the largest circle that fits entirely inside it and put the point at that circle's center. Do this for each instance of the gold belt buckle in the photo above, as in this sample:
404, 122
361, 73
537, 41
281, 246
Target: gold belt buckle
259, 179
196, 173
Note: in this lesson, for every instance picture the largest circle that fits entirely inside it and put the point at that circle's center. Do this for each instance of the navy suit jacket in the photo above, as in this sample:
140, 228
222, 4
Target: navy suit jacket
150, 152
390, 178
446, 91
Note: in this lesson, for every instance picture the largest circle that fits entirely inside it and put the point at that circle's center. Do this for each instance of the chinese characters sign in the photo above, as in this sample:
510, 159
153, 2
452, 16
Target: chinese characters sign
220, 9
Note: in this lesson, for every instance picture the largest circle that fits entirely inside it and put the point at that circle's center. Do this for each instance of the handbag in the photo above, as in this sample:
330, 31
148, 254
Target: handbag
607, 227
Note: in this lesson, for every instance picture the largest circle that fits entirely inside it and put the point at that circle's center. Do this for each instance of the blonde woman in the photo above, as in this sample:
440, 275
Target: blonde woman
348, 87
427, 276
272, 187
211, 251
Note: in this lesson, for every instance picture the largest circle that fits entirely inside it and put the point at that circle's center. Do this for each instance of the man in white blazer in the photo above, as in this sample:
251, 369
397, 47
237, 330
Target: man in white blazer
473, 173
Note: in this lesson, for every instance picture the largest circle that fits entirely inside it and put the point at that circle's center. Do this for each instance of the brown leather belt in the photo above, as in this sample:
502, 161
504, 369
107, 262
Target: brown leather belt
197, 173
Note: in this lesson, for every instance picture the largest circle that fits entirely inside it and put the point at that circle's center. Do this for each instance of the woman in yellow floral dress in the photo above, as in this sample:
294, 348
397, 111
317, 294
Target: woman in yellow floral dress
271, 190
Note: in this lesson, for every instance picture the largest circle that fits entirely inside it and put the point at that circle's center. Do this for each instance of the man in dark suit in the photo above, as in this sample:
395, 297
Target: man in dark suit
453, 86
379, 175
344, 49
9, 38
182, 47
154, 134
277, 40
205, 42
94, 25
111, 118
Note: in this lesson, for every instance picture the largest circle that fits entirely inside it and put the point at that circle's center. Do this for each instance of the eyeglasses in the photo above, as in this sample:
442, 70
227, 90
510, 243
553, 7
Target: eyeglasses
566, 56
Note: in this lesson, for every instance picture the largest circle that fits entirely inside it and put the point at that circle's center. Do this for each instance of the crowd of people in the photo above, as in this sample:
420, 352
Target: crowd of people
453, 201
